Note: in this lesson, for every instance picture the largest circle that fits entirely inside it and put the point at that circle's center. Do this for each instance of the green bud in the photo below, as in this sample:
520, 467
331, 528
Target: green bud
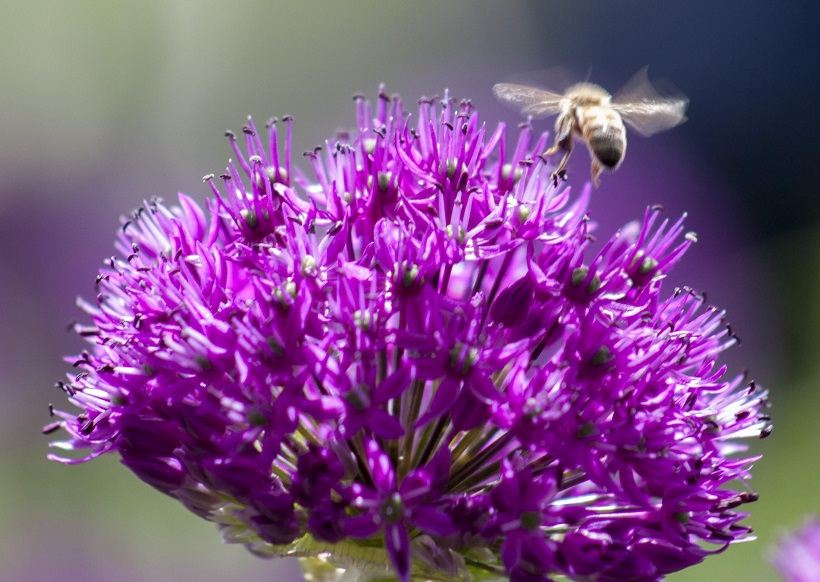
451, 168
586, 430
409, 276
602, 356
359, 398
308, 266
392, 509
530, 520
362, 319
594, 285
271, 172
507, 170
249, 216
469, 354
681, 517
256, 418
275, 346
578, 276
384, 181
647, 266
203, 363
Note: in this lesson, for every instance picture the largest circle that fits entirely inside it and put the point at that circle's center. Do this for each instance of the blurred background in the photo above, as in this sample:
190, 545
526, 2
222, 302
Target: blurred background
104, 104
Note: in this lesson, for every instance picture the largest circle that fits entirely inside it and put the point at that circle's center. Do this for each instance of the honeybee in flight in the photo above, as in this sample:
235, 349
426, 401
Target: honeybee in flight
588, 112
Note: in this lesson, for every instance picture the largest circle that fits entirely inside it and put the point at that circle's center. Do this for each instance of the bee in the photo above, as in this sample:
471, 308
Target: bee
587, 112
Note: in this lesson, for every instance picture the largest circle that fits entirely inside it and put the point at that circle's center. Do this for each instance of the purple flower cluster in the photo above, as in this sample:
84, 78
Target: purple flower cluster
797, 556
416, 350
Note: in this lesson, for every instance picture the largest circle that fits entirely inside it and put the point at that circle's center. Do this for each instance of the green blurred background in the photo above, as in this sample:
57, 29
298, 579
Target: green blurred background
106, 103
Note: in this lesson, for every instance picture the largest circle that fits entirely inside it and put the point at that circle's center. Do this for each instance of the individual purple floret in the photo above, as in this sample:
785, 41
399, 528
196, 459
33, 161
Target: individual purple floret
797, 556
417, 362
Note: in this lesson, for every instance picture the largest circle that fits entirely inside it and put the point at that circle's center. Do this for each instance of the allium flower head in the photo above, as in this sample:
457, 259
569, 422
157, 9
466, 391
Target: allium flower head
797, 556
414, 363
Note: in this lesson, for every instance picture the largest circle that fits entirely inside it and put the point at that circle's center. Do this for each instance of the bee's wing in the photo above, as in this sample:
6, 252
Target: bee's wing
528, 100
648, 117
647, 111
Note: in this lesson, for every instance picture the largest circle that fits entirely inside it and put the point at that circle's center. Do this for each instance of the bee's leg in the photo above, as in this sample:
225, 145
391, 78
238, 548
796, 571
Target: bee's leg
596, 171
562, 165
561, 170
554, 149
563, 136
563, 129
563, 141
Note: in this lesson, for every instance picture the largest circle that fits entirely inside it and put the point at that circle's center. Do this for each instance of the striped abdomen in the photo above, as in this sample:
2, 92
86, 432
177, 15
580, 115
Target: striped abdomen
604, 132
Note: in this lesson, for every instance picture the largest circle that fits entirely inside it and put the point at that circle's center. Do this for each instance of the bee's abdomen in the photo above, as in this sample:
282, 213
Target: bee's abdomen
605, 134
607, 146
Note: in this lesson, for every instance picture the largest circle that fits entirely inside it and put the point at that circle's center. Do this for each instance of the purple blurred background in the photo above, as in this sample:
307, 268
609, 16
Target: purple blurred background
105, 104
